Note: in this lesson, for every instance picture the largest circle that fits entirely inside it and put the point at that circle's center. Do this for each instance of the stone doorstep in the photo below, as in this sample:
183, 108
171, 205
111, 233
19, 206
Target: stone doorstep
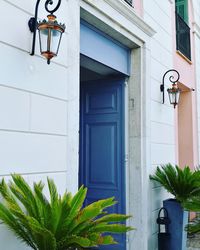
194, 243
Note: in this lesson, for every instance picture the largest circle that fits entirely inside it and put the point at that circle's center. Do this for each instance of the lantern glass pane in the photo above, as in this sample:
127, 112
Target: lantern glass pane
177, 96
172, 97
55, 41
43, 36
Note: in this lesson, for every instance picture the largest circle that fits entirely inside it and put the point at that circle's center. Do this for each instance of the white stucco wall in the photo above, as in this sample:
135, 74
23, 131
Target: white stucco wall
39, 103
162, 124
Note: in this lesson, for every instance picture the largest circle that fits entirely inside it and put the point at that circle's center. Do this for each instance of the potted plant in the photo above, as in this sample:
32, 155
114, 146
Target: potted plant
182, 183
58, 223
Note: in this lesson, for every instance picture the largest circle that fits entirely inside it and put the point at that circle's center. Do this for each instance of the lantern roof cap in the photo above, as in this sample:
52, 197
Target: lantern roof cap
51, 23
174, 89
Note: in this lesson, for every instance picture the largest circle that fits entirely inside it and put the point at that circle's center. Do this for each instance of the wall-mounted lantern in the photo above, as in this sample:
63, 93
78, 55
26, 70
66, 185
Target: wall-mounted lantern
50, 31
174, 91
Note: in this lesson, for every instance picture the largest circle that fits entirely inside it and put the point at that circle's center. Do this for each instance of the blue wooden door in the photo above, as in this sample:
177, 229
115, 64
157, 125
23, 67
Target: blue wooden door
102, 145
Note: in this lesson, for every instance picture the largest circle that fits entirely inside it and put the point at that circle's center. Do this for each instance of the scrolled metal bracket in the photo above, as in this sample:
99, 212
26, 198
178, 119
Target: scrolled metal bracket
172, 79
32, 23
50, 2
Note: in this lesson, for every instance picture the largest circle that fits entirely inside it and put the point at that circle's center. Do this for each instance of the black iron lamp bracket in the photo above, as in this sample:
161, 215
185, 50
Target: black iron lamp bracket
33, 20
172, 79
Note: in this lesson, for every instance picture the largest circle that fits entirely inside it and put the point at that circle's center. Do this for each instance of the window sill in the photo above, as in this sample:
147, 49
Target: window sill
184, 57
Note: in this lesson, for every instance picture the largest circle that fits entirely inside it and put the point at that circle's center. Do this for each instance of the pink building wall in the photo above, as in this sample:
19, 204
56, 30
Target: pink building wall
138, 7
186, 113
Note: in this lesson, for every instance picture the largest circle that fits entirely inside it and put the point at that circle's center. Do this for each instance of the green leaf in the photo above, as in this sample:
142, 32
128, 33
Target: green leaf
21, 190
112, 228
107, 240
77, 240
43, 205
48, 239
182, 183
19, 229
76, 204
113, 218
59, 223
56, 208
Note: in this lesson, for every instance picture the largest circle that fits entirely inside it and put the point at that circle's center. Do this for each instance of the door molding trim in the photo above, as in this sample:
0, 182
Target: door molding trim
139, 149
91, 38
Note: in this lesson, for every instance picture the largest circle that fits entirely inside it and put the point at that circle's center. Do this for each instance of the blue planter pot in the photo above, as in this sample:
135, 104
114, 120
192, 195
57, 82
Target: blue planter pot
179, 219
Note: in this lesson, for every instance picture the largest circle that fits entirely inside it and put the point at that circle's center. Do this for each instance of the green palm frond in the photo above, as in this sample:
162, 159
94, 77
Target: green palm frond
43, 205
113, 218
111, 228
18, 228
193, 227
60, 223
182, 183
21, 190
75, 241
193, 204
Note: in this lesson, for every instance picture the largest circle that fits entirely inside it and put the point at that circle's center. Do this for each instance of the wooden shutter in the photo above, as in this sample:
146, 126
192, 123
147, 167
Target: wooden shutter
182, 9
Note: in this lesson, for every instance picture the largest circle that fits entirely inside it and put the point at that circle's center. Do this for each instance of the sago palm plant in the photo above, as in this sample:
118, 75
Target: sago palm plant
193, 204
58, 223
182, 183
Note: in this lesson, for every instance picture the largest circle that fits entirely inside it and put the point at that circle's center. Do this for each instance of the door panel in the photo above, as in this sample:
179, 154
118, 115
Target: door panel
103, 175
102, 144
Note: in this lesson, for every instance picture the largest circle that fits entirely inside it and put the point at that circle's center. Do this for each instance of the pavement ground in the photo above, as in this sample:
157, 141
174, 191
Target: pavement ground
194, 242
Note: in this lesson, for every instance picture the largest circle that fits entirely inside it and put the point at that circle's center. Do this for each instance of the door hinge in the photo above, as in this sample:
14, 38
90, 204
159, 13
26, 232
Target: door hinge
126, 160
127, 238
132, 102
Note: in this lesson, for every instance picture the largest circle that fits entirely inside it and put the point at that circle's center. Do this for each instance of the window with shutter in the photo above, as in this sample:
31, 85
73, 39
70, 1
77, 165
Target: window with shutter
182, 28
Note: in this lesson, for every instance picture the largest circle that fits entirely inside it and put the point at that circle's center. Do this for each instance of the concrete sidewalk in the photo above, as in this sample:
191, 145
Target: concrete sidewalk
194, 243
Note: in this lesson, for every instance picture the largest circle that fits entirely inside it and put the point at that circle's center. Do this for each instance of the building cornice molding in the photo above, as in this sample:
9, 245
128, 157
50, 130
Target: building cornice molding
129, 13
